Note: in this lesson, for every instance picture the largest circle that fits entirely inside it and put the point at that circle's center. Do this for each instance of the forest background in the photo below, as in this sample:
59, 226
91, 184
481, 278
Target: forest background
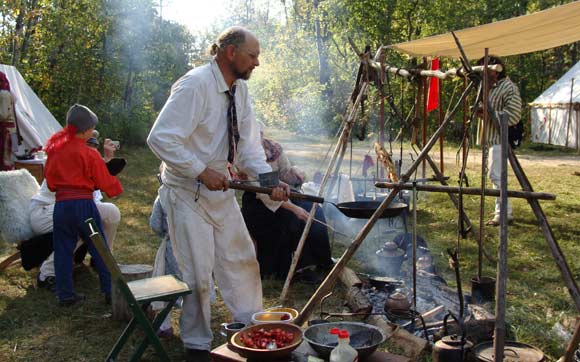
121, 57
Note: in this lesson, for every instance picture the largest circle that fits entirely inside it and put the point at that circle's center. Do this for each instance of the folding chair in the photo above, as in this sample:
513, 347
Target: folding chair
139, 294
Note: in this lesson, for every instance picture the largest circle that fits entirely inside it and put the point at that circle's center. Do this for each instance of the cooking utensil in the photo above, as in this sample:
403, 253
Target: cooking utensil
355, 209
397, 301
270, 317
391, 258
451, 349
483, 289
237, 185
365, 338
365, 209
513, 351
266, 354
229, 329
387, 284
293, 312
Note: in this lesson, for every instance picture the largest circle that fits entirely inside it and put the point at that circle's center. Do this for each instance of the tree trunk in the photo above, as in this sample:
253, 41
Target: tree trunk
18, 29
321, 46
128, 88
29, 29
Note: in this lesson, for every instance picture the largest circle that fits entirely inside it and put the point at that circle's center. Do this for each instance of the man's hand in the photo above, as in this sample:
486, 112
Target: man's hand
280, 192
109, 149
213, 180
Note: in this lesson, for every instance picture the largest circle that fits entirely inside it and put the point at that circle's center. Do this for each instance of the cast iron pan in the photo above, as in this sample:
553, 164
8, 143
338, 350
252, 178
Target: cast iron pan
365, 209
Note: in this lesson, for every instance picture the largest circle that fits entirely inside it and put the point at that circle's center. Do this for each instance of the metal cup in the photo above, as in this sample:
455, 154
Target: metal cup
229, 329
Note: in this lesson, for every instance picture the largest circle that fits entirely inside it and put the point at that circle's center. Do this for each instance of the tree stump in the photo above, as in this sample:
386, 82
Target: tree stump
121, 310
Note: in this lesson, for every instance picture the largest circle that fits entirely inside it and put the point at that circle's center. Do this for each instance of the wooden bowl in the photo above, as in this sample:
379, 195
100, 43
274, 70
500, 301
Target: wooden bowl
264, 354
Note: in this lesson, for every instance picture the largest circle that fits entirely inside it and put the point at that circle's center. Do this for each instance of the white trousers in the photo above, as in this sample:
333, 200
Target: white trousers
203, 248
41, 221
494, 173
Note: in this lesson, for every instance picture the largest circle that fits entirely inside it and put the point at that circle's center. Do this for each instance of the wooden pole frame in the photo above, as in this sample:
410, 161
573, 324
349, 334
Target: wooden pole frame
334, 274
339, 149
332, 277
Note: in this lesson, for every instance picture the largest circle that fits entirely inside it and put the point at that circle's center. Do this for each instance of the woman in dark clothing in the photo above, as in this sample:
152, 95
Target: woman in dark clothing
277, 233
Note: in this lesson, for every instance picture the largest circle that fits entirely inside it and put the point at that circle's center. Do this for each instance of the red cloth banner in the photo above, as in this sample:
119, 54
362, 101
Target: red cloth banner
433, 95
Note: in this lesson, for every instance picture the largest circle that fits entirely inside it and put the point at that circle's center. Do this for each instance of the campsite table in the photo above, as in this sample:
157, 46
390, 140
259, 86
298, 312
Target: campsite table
35, 166
224, 354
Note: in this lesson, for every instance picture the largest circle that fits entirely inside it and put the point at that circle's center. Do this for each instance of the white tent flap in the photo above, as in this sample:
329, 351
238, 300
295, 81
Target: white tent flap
553, 117
35, 122
523, 34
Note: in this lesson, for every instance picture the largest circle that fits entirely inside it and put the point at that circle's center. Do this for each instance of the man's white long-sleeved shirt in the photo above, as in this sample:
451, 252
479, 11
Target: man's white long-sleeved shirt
190, 133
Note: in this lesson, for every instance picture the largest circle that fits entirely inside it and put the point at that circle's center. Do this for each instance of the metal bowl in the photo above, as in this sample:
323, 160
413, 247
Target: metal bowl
365, 338
265, 354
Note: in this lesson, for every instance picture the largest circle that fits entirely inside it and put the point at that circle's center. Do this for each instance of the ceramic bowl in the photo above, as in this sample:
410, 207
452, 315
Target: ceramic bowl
271, 317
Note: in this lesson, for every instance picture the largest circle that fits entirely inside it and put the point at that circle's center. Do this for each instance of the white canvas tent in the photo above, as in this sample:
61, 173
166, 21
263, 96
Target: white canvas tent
35, 122
554, 114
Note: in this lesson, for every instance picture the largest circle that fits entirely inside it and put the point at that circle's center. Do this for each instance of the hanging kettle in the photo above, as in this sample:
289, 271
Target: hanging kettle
452, 348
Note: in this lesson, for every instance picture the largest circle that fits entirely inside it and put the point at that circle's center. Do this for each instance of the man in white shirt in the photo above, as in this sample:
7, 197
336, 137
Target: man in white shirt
198, 133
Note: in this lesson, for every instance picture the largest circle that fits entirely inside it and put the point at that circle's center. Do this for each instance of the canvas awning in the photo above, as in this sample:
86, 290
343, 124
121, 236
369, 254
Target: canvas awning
523, 34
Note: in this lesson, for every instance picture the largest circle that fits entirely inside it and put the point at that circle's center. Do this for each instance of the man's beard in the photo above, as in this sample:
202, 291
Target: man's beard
245, 75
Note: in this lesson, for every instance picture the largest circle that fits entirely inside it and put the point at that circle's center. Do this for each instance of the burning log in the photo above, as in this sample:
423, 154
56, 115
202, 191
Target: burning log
430, 314
355, 300
358, 302
412, 346
349, 278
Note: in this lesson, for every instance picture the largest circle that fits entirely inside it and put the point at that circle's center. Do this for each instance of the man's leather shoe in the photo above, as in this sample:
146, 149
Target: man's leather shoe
197, 355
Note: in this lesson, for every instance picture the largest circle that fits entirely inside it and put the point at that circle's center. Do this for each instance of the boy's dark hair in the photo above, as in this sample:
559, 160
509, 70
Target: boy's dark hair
493, 59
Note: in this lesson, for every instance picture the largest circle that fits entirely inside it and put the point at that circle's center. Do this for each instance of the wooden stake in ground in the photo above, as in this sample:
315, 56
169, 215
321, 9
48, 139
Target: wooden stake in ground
501, 277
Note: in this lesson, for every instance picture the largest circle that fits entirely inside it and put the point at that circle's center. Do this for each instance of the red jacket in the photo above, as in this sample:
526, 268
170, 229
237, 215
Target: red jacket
76, 170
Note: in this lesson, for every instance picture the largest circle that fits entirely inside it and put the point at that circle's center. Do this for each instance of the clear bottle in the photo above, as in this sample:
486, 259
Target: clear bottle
343, 352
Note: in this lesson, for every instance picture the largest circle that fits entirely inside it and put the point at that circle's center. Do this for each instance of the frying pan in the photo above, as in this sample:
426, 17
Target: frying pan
365, 209
382, 282
355, 209
385, 283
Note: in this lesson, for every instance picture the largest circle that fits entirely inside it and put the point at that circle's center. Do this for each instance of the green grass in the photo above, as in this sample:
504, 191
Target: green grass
33, 328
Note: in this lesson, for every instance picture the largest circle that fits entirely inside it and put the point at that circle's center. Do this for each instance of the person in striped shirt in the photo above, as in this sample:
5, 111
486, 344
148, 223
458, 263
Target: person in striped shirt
504, 97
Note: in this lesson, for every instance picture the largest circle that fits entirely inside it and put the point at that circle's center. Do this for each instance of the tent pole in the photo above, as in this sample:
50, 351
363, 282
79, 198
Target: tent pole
569, 111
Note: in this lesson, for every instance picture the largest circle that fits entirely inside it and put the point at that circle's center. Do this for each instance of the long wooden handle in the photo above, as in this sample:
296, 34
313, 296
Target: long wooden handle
520, 194
268, 191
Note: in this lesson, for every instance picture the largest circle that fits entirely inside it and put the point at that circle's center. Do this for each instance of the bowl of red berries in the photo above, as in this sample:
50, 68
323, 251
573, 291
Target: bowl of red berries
269, 341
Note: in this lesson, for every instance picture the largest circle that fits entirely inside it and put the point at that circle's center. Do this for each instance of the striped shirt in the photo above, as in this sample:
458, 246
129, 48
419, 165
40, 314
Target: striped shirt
503, 97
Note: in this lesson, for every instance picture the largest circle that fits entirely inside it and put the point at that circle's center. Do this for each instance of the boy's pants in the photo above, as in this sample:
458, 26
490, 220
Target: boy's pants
69, 224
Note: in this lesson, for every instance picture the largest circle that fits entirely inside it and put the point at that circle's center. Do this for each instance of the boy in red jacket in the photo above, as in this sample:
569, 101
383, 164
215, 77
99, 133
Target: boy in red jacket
73, 171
